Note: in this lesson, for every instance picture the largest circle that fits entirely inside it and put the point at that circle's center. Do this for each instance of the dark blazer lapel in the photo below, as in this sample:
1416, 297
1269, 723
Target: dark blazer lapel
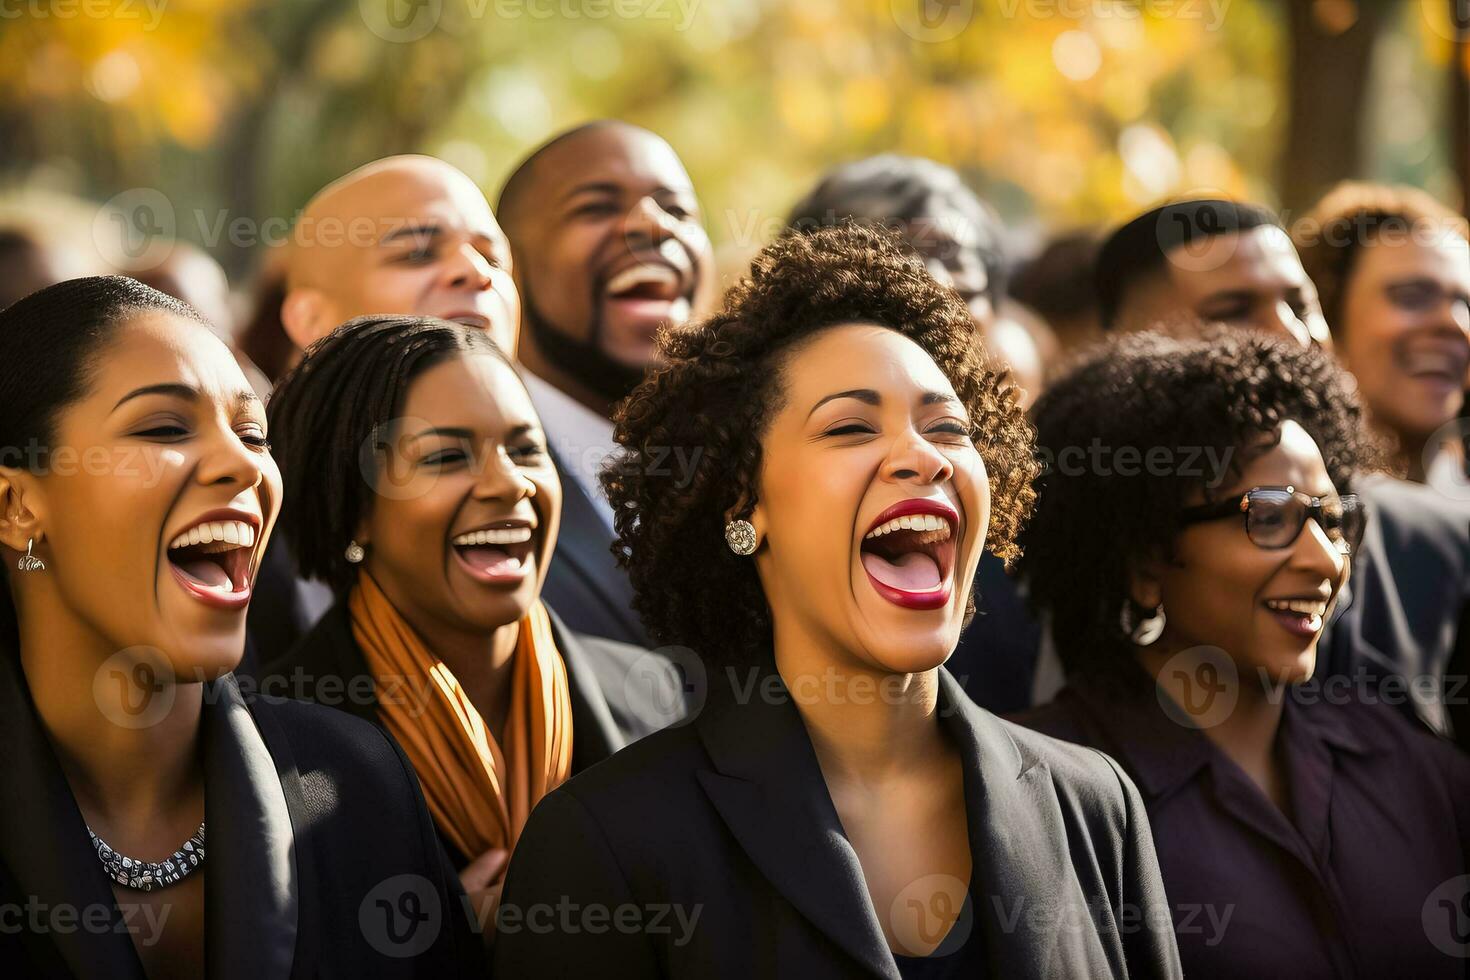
251, 891
768, 788
1027, 896
585, 544
44, 843
595, 734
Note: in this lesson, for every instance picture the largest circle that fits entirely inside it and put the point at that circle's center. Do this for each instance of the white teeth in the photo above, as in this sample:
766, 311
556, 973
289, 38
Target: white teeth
236, 533
1304, 607
927, 523
509, 535
639, 275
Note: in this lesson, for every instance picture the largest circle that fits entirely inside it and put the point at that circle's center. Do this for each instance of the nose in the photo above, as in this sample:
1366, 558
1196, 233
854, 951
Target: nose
469, 269
914, 459
501, 479
1283, 321
647, 223
1315, 553
227, 461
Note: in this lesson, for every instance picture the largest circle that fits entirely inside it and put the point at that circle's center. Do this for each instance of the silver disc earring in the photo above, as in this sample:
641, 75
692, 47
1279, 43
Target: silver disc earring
355, 552
29, 562
740, 536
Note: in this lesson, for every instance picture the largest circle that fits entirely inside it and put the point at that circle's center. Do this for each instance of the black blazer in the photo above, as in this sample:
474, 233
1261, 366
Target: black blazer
315, 833
1408, 591
618, 693
583, 579
717, 851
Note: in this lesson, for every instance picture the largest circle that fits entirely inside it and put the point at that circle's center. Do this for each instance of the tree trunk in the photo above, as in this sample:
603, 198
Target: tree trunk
1328, 73
1459, 100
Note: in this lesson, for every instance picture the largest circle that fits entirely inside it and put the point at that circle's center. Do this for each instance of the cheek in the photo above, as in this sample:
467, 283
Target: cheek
812, 505
1373, 325
409, 533
398, 288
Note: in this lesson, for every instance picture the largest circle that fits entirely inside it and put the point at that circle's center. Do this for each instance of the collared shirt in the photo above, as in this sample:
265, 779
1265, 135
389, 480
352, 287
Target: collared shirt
581, 439
1348, 881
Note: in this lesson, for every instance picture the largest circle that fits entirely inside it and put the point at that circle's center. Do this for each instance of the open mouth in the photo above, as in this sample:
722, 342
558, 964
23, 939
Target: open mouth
909, 553
1442, 364
499, 552
1300, 616
212, 560
651, 289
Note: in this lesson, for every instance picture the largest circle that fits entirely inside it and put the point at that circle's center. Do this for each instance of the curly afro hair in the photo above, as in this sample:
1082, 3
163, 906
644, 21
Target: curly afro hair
1191, 408
720, 384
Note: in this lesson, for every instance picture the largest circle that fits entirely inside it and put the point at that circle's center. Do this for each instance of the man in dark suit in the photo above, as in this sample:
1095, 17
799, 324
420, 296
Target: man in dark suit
609, 248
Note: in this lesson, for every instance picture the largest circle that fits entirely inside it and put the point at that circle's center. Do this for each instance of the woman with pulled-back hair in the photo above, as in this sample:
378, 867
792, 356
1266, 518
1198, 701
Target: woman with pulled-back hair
163, 823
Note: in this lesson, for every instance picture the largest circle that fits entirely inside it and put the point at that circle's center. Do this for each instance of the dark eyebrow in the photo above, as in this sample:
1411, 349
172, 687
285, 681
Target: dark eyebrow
594, 187
865, 395
940, 398
173, 389
450, 432
427, 230
1229, 296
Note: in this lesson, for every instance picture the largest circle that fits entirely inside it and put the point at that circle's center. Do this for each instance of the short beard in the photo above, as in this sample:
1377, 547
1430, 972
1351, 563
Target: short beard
584, 360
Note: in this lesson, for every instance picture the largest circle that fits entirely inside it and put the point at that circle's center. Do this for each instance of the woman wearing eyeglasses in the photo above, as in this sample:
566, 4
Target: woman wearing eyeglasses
1187, 571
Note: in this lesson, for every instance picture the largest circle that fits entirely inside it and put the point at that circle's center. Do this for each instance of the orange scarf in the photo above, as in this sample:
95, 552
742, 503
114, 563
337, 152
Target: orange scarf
479, 792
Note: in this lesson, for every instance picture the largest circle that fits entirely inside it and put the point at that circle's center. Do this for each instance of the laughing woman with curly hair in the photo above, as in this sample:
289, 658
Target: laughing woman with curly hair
838, 807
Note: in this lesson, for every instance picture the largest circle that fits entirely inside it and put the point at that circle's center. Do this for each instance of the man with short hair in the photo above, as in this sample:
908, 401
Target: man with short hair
609, 249
1207, 261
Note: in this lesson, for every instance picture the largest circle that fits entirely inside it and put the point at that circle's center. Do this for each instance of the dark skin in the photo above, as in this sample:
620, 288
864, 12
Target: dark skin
867, 421
1216, 594
601, 201
1251, 279
184, 436
469, 454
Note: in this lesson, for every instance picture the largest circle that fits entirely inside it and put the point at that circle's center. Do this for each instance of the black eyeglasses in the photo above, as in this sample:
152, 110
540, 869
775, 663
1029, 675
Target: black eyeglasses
1275, 516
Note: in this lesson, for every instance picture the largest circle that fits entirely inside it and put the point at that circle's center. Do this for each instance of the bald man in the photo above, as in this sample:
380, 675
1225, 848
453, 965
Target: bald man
609, 248
406, 234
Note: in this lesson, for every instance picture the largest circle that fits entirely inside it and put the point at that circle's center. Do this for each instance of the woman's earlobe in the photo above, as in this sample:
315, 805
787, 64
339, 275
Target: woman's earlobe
19, 523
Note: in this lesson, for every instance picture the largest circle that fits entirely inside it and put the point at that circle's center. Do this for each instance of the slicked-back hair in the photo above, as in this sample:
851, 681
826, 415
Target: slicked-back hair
52, 341
331, 415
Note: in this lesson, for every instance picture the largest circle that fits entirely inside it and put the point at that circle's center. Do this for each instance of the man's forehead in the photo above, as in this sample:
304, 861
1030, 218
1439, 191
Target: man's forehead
1257, 253
617, 155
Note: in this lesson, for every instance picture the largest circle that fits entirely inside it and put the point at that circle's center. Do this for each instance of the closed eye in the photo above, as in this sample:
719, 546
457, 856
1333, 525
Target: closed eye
850, 429
164, 432
528, 452
446, 457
